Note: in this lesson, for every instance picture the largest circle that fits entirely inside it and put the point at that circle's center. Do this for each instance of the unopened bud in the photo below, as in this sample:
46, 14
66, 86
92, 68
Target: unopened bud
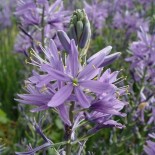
79, 29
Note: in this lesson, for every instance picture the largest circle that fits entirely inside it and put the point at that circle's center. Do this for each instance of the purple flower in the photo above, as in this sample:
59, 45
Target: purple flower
27, 12
23, 43
76, 90
30, 13
150, 147
6, 12
48, 143
143, 52
107, 104
70, 80
129, 21
39, 22
98, 17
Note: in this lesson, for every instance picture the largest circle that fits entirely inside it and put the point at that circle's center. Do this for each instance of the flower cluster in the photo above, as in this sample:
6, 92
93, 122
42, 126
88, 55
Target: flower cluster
123, 13
130, 21
38, 20
6, 12
127, 16
97, 13
70, 80
77, 90
142, 70
143, 55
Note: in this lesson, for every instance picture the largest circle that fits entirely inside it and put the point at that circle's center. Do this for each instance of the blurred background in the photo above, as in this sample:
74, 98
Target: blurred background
127, 25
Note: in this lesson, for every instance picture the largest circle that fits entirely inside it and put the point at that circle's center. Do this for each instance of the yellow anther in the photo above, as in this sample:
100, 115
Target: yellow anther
127, 90
26, 61
43, 89
95, 78
38, 42
31, 52
31, 58
74, 84
117, 94
142, 105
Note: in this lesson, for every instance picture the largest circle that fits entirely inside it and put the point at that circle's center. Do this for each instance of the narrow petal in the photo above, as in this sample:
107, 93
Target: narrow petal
104, 51
110, 59
53, 49
55, 74
94, 64
106, 124
54, 6
29, 102
44, 81
64, 114
46, 145
73, 59
95, 86
61, 96
83, 100
40, 108
64, 39
32, 97
107, 110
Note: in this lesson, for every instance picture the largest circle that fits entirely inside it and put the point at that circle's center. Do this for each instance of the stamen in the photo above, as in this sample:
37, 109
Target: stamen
34, 64
121, 79
37, 56
44, 50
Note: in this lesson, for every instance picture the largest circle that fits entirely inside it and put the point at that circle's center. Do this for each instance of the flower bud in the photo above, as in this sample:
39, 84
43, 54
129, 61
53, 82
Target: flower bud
64, 39
79, 29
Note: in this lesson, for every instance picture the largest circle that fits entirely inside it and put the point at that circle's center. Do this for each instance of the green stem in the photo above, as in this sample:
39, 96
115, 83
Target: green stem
142, 83
68, 148
42, 26
69, 130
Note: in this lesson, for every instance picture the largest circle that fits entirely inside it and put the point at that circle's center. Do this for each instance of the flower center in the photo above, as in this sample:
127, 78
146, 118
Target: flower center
75, 82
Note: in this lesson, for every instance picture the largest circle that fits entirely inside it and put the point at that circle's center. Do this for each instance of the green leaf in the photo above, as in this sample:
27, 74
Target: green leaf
3, 117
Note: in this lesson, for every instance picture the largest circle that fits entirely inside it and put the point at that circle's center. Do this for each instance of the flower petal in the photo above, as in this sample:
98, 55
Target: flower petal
95, 86
64, 114
83, 100
40, 108
110, 59
94, 64
73, 59
104, 51
55, 74
32, 151
53, 50
64, 39
44, 81
61, 96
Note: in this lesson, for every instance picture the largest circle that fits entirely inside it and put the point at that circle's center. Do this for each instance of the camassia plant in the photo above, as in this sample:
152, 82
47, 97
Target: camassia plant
79, 90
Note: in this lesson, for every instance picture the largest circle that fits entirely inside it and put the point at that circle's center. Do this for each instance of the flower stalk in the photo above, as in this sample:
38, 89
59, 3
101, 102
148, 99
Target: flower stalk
43, 26
69, 130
